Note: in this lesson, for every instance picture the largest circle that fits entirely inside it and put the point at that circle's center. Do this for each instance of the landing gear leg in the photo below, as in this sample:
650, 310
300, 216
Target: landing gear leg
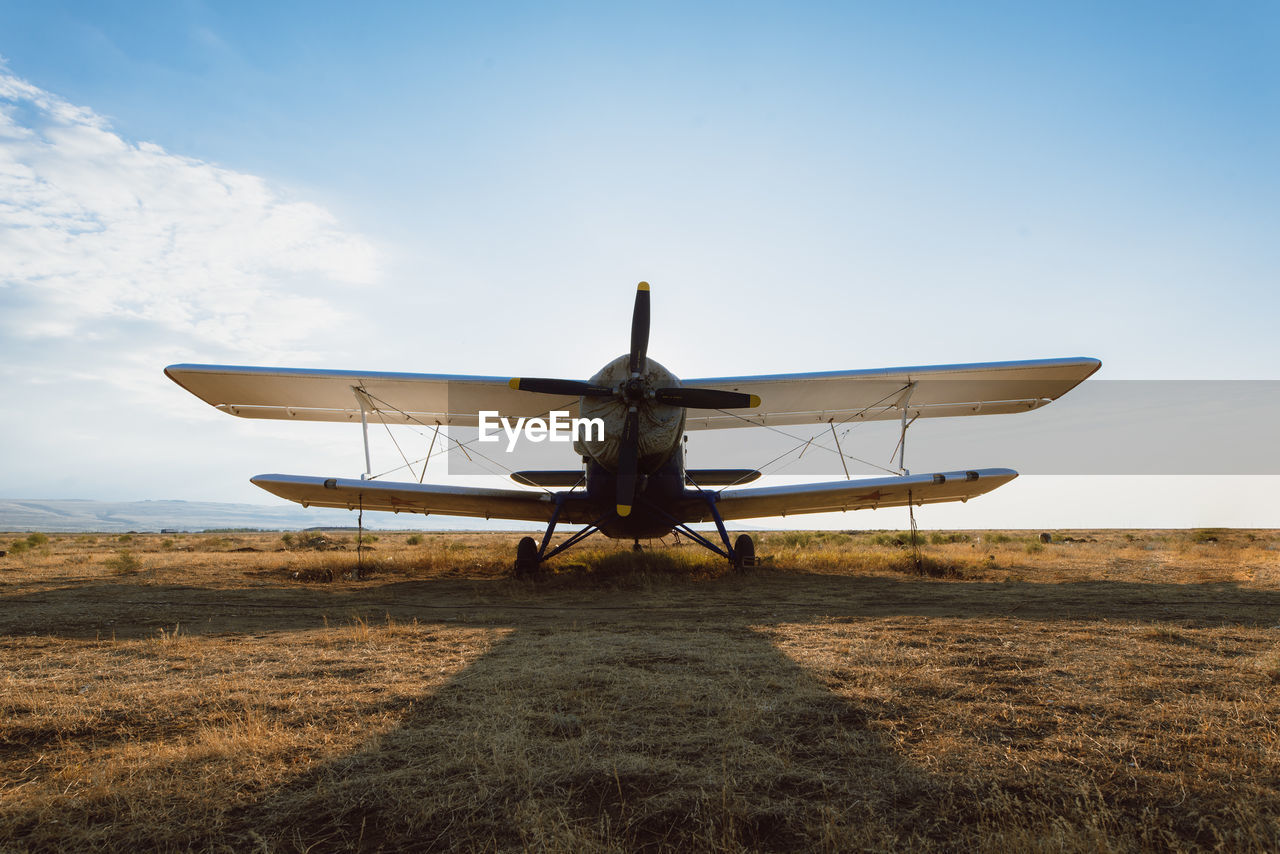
741, 554
530, 555
635, 547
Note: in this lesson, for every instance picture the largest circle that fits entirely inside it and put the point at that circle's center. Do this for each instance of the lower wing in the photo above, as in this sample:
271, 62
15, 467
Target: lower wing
865, 494
350, 494
524, 505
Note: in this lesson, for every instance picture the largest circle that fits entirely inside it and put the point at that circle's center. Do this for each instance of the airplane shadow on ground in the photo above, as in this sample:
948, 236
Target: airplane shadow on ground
570, 738
662, 717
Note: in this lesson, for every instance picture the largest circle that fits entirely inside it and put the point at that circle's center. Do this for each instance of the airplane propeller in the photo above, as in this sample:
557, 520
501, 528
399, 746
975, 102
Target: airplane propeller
640, 330
542, 385
633, 392
628, 460
705, 398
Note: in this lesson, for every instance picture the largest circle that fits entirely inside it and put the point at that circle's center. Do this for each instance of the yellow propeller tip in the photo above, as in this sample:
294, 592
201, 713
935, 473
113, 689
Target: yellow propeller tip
624, 509
643, 286
514, 382
755, 401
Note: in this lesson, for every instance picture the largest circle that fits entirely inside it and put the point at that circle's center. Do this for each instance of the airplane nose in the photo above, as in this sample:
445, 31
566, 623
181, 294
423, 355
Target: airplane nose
633, 390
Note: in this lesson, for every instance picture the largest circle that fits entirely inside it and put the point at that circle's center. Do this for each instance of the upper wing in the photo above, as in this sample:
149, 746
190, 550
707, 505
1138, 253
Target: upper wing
350, 494
868, 493
978, 389
313, 395
308, 395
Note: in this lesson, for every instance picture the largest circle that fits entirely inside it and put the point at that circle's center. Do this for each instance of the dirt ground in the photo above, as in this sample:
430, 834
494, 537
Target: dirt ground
1108, 690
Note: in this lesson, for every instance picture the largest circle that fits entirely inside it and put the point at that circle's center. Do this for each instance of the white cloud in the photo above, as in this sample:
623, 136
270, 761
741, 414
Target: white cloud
97, 231
118, 258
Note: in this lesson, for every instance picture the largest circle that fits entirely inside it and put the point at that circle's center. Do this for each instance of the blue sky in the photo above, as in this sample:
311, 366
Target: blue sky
456, 188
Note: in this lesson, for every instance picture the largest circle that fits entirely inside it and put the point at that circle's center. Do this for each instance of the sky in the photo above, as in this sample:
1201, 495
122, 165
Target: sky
468, 188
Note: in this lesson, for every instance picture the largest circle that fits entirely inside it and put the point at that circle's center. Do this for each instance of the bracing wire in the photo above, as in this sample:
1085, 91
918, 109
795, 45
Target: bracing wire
804, 443
462, 446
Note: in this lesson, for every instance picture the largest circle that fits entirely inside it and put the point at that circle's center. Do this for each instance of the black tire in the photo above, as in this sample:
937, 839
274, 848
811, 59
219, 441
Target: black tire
526, 557
744, 552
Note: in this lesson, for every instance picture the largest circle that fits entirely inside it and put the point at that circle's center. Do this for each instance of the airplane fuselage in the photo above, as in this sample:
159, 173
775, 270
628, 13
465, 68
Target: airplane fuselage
657, 495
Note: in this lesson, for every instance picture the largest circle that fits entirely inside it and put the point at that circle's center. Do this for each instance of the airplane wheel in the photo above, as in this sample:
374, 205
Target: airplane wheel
526, 557
744, 552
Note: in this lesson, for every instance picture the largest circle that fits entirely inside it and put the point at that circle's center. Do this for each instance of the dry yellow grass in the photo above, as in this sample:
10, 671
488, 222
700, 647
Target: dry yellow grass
222, 692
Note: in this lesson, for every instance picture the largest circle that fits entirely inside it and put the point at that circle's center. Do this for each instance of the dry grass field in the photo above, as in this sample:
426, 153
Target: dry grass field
215, 692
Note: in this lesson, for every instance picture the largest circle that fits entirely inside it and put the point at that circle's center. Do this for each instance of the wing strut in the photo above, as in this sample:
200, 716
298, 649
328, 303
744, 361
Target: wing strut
839, 452
430, 448
361, 399
902, 438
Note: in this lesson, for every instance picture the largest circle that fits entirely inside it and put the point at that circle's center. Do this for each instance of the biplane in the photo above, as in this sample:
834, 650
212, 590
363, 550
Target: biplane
632, 481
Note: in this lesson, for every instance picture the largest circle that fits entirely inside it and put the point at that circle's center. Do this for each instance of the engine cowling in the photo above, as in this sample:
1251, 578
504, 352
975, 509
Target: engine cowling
661, 425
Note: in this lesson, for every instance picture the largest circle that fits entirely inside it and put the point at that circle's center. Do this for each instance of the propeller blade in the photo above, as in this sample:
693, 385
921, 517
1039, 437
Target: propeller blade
568, 388
628, 458
706, 398
640, 330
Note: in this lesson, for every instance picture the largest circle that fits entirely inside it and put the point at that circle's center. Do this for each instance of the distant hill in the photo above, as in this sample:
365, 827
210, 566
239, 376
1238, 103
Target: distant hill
56, 515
